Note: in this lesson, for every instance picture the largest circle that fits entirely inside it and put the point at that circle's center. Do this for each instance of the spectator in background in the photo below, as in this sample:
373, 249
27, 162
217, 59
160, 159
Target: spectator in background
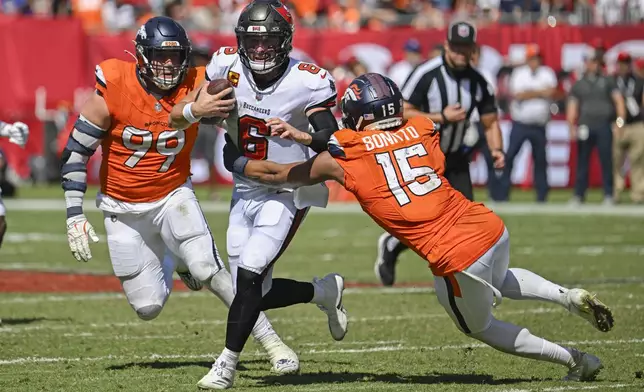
629, 140
179, 11
638, 68
402, 69
593, 104
118, 15
437, 50
532, 87
90, 13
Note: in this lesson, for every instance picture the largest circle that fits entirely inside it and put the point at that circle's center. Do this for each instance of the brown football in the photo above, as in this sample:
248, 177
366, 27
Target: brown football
215, 87
218, 85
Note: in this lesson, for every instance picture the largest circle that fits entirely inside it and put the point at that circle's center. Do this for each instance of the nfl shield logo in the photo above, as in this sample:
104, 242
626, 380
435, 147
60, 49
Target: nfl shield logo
463, 30
259, 96
157, 107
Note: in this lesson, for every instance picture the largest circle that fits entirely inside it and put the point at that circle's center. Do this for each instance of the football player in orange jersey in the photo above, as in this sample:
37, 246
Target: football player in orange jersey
395, 169
151, 213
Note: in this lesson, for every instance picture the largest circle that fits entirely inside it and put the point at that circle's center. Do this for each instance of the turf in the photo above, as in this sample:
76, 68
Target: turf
399, 339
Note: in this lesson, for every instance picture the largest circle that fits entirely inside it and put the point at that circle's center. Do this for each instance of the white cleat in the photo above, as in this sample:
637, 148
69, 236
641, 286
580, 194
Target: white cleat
283, 359
586, 305
587, 367
332, 286
192, 283
220, 376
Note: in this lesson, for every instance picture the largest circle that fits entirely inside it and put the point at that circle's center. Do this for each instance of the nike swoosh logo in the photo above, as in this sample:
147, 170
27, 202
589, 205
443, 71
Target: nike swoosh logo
323, 75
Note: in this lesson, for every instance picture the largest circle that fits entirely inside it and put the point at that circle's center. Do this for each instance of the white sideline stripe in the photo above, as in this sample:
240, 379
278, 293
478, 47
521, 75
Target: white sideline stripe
398, 386
571, 388
289, 320
170, 337
400, 347
345, 208
35, 298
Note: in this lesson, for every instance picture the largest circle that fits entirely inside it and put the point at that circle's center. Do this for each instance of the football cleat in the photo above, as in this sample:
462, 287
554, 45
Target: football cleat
586, 305
220, 376
587, 367
192, 283
332, 286
385, 266
283, 359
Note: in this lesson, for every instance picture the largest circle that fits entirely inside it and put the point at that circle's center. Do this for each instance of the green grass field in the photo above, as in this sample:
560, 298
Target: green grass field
399, 339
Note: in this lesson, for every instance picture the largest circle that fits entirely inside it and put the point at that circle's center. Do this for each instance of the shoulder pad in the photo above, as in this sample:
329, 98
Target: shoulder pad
311, 74
340, 142
221, 61
109, 72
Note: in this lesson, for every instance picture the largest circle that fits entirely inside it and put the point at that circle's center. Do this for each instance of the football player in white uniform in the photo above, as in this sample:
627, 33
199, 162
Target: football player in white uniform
18, 133
150, 212
268, 85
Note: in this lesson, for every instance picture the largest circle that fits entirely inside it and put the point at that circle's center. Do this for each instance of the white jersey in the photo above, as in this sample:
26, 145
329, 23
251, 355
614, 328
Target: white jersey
302, 87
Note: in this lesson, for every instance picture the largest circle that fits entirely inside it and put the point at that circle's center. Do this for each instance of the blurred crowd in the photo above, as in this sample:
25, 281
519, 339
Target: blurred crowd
113, 16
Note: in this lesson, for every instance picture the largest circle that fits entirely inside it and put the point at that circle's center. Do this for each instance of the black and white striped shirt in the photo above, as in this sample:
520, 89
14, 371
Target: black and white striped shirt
433, 85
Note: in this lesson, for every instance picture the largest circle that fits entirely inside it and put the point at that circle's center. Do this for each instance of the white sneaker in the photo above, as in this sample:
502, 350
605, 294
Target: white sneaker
220, 376
332, 286
283, 359
192, 283
587, 306
586, 368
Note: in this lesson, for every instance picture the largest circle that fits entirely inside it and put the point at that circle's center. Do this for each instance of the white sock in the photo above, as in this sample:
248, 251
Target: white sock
230, 357
264, 332
392, 243
516, 340
520, 284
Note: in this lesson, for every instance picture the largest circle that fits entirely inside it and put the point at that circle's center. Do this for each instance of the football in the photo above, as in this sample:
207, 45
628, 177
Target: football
218, 85
215, 87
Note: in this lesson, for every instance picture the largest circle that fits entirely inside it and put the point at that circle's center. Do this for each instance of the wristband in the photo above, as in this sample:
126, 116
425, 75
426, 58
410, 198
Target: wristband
187, 114
240, 164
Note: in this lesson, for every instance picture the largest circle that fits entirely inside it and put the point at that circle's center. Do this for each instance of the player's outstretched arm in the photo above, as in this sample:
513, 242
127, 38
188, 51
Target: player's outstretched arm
320, 168
89, 130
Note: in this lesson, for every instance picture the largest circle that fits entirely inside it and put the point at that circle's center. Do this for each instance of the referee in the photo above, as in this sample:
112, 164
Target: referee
447, 89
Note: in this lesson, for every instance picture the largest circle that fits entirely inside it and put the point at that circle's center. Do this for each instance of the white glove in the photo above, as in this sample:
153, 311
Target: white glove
79, 232
18, 133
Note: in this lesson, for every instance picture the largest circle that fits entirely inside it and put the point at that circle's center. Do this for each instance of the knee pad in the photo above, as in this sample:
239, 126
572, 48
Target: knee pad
149, 312
203, 270
201, 257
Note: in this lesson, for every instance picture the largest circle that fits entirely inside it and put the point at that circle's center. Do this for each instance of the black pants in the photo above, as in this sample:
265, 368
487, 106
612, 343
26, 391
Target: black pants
493, 181
602, 137
536, 135
457, 172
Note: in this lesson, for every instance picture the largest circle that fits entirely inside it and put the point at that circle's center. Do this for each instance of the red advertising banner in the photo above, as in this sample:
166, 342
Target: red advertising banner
56, 59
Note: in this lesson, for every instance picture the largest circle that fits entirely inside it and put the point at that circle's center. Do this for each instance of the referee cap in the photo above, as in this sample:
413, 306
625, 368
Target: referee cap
463, 33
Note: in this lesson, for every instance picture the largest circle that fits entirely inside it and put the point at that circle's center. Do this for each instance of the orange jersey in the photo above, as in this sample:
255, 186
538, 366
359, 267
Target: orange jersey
143, 158
397, 176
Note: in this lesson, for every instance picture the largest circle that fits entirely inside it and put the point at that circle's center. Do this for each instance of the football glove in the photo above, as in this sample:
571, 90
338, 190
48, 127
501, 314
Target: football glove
79, 232
18, 133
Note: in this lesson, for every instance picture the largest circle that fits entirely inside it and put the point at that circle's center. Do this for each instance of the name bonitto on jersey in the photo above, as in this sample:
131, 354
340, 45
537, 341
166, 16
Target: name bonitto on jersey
384, 139
255, 109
